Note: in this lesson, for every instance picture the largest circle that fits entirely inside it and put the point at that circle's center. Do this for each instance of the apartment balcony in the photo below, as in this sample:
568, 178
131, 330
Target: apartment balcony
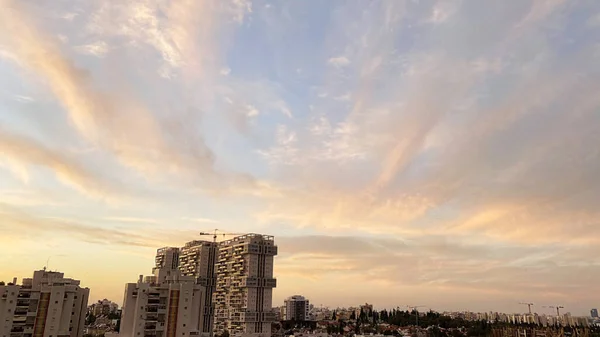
21, 312
23, 303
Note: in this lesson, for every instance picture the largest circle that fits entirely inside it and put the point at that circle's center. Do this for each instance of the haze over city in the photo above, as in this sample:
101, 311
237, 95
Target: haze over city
442, 153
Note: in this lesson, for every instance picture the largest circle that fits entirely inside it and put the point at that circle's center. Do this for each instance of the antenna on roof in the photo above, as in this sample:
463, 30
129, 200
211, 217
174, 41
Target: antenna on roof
47, 263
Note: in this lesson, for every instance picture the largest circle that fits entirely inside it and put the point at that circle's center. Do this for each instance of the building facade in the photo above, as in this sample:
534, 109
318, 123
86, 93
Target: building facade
296, 308
166, 304
103, 308
594, 313
167, 258
197, 259
47, 305
245, 282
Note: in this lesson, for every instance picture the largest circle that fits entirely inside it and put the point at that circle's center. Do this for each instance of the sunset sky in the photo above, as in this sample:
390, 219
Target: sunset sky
436, 153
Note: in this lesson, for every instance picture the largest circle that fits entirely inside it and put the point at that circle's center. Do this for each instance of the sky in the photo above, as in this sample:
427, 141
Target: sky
435, 153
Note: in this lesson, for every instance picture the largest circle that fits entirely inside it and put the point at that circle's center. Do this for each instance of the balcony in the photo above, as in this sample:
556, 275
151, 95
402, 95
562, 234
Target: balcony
21, 312
23, 303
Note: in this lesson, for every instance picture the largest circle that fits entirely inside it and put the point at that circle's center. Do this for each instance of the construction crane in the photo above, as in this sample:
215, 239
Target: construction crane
558, 307
528, 305
414, 308
217, 232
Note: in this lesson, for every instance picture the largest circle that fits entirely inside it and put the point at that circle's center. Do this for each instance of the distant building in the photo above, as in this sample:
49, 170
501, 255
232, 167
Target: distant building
167, 258
47, 305
594, 313
245, 282
296, 308
163, 305
197, 259
103, 308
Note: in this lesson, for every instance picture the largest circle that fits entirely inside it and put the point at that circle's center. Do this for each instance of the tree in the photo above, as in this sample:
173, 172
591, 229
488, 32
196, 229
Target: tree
353, 315
333, 316
90, 319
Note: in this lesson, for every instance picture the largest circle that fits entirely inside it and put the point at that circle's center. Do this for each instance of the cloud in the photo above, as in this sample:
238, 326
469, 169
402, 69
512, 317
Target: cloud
46, 227
343, 98
26, 152
225, 71
201, 220
339, 62
434, 263
98, 49
131, 219
113, 121
442, 10
285, 150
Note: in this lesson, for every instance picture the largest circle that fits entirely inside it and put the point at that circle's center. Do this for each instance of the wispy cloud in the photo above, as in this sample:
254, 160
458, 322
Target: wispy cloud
131, 219
26, 152
98, 49
201, 220
45, 226
339, 62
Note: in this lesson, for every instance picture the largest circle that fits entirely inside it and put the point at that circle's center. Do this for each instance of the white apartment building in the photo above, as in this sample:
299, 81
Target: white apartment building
197, 258
47, 305
245, 282
163, 305
296, 308
167, 258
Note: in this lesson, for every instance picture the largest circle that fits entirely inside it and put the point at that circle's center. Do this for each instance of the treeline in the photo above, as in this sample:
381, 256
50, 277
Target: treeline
439, 325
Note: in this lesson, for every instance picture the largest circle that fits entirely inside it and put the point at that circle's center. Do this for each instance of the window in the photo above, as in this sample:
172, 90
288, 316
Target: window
55, 302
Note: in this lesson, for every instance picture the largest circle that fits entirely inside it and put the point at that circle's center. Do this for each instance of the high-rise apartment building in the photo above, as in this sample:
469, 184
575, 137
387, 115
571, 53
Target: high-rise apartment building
594, 313
197, 259
296, 308
245, 282
167, 258
47, 305
163, 305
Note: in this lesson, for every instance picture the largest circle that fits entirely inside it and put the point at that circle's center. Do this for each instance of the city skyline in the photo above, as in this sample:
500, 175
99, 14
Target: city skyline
431, 152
